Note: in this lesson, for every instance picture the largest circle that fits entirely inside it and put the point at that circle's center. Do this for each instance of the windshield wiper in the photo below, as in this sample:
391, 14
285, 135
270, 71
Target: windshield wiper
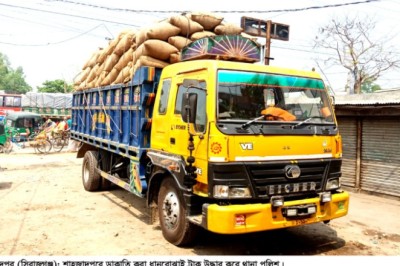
245, 125
305, 121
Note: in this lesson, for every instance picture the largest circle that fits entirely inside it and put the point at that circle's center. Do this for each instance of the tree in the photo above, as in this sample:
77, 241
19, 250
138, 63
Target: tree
365, 58
54, 86
12, 81
368, 86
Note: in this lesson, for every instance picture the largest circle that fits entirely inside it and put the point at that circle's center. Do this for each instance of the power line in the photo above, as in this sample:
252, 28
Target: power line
53, 43
221, 11
42, 23
70, 15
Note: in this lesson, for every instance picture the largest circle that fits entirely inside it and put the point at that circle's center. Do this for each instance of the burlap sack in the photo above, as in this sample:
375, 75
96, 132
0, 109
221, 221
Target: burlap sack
149, 61
124, 74
109, 79
228, 29
107, 51
110, 62
92, 84
92, 61
100, 69
141, 36
208, 20
175, 58
162, 31
92, 74
125, 43
82, 76
100, 78
155, 48
81, 87
179, 41
131, 73
125, 59
201, 34
187, 26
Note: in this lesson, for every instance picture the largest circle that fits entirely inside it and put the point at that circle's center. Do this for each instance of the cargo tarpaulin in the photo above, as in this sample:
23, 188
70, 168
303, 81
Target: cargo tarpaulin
47, 100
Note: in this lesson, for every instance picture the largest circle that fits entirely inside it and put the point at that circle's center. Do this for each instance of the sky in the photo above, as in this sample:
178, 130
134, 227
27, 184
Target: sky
52, 39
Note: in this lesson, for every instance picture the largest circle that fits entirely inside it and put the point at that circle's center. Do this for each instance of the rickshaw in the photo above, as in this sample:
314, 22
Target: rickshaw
22, 124
23, 127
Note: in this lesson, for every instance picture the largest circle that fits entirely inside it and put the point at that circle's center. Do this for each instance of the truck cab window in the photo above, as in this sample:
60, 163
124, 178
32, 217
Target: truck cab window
201, 116
166, 86
245, 96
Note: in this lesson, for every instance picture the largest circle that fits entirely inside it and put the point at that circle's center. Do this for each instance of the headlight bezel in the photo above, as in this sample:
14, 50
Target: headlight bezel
332, 184
231, 192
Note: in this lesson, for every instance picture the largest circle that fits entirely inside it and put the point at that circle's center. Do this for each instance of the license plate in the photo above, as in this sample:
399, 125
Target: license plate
300, 221
299, 211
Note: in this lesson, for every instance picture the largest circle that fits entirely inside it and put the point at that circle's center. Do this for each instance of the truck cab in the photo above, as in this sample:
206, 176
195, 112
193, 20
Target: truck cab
251, 148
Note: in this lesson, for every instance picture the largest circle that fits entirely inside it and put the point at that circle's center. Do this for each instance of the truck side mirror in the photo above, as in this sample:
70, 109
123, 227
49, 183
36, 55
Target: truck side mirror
189, 107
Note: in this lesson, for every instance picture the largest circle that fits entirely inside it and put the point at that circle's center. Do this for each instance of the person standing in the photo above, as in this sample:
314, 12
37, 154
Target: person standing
69, 123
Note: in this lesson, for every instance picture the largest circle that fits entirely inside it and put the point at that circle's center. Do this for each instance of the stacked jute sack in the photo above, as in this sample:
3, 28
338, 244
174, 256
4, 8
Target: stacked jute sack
157, 46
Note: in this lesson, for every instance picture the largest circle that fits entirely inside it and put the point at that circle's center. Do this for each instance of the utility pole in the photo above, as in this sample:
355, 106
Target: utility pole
268, 43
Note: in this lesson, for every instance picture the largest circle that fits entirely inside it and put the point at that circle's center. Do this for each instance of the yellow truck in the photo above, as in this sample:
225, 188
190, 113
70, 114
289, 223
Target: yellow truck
232, 147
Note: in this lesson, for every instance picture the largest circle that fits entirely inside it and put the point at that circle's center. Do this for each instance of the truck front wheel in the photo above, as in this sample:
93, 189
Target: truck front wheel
172, 212
90, 177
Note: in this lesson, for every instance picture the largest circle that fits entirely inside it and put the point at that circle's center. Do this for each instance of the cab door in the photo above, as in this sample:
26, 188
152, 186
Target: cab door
179, 130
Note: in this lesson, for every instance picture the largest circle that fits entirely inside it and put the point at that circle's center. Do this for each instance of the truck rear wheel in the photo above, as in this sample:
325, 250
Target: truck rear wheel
172, 213
105, 163
90, 178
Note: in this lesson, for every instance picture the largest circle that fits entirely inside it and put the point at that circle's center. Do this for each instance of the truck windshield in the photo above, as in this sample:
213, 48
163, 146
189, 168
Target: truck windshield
296, 100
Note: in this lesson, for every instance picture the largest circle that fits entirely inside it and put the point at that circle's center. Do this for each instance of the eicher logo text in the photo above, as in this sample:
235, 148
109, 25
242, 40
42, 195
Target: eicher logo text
291, 188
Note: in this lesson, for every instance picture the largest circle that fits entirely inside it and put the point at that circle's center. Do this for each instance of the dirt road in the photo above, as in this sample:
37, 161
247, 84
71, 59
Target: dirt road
45, 211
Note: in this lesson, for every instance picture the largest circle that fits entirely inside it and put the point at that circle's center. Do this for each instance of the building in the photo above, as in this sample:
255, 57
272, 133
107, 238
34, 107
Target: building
370, 128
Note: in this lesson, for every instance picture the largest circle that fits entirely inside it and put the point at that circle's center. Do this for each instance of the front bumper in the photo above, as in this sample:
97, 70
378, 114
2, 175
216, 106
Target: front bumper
262, 217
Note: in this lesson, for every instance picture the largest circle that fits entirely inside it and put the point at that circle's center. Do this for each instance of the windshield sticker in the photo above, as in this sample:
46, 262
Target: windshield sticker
268, 80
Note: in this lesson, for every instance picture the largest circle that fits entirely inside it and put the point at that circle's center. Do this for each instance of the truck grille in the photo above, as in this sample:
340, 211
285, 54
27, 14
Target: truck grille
270, 178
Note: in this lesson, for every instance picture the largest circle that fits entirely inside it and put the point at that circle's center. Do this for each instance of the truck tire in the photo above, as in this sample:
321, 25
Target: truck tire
90, 178
105, 184
175, 227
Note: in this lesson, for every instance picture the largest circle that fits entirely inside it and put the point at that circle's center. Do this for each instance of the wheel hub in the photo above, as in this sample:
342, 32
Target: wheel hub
171, 210
86, 173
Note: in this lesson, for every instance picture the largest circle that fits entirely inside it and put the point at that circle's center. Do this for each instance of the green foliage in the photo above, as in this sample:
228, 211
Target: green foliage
55, 86
368, 86
12, 81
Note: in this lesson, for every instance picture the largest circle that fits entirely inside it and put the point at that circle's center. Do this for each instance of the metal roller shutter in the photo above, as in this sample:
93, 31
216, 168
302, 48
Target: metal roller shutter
348, 130
380, 164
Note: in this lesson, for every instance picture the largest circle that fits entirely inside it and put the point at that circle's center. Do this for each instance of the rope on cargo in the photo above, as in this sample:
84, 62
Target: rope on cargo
104, 109
86, 101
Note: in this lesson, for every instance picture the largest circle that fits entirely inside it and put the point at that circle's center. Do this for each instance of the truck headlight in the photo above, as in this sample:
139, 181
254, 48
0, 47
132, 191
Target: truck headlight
332, 184
226, 192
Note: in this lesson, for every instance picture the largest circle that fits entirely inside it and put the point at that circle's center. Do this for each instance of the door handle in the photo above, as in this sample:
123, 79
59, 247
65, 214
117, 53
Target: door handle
172, 141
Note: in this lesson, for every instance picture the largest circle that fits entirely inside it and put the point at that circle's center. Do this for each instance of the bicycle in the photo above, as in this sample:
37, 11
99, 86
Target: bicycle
60, 139
41, 143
